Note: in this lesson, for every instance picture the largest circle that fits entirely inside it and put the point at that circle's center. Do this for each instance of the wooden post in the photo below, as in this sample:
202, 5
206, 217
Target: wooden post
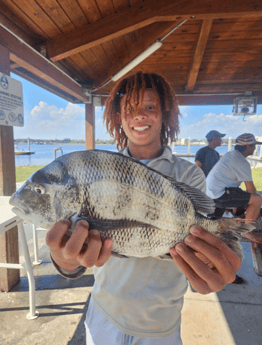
9, 240
90, 127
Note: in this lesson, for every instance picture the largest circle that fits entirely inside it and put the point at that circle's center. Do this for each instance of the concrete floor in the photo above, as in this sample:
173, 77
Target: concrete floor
231, 317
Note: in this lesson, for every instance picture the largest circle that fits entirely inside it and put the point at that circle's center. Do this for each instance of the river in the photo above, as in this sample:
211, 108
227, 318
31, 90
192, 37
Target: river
44, 154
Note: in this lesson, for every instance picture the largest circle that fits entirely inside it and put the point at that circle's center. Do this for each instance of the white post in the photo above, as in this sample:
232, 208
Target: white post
188, 146
229, 144
173, 147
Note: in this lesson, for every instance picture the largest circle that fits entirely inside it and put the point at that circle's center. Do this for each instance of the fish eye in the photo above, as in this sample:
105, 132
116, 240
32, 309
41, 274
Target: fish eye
39, 189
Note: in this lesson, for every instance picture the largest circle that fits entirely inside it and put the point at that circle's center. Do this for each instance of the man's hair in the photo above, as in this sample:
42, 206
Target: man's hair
240, 148
131, 86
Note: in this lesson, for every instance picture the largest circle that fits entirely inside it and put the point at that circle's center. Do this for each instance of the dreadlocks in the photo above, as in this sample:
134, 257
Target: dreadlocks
130, 87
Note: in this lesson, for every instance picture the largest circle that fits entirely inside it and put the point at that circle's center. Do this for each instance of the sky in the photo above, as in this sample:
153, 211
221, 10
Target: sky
47, 116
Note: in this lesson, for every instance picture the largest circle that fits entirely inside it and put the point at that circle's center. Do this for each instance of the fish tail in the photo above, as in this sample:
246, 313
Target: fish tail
230, 231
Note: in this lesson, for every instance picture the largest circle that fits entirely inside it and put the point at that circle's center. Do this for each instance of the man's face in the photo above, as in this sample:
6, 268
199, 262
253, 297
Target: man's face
217, 141
143, 125
251, 149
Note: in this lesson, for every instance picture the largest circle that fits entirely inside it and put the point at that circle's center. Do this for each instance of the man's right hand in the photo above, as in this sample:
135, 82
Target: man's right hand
70, 253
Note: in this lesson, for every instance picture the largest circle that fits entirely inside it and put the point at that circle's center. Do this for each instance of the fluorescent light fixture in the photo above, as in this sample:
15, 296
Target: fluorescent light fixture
141, 57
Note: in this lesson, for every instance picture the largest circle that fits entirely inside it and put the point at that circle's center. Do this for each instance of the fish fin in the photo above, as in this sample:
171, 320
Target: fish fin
230, 231
120, 256
202, 203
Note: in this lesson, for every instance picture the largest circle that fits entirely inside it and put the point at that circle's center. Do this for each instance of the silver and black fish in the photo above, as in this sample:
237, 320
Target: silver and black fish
144, 212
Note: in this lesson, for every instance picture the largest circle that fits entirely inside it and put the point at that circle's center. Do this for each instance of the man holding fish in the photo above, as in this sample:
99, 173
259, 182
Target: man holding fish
138, 299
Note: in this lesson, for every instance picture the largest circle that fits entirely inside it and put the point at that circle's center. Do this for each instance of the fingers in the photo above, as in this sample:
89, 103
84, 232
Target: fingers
75, 244
213, 248
54, 237
211, 265
181, 254
253, 237
75, 251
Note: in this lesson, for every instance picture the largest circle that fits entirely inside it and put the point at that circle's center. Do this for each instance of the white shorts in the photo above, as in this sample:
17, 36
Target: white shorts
99, 331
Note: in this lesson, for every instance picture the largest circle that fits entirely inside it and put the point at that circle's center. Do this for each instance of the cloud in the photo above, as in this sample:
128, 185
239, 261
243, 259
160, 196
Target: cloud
229, 124
47, 121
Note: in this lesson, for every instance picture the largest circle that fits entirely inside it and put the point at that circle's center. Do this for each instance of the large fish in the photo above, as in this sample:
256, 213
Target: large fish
144, 212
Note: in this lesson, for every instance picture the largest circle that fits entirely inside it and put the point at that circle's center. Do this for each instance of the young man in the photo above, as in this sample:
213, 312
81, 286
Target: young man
139, 301
225, 178
207, 157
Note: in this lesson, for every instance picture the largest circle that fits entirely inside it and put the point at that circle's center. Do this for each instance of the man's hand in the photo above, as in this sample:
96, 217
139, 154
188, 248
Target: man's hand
210, 266
70, 253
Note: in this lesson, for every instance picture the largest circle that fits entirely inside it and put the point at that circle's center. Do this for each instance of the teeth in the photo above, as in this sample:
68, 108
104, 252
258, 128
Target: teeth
140, 129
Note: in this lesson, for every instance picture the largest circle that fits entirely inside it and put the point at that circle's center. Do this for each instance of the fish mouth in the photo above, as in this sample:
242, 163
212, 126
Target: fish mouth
20, 208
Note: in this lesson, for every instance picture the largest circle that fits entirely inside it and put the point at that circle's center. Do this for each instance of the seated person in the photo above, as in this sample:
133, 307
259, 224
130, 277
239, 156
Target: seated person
225, 178
207, 156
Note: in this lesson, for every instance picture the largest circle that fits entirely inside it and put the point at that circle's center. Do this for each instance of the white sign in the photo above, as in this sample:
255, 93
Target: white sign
11, 102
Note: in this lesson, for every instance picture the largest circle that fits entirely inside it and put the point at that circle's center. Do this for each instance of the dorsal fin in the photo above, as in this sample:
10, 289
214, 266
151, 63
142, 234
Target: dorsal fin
201, 202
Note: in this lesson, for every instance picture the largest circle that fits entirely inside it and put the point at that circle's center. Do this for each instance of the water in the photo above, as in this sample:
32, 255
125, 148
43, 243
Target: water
44, 154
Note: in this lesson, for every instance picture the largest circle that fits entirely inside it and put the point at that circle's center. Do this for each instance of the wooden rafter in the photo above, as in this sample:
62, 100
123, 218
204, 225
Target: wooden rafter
132, 19
155, 32
199, 52
23, 56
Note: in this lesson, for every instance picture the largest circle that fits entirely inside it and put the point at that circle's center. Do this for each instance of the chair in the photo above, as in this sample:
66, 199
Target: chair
7, 221
35, 240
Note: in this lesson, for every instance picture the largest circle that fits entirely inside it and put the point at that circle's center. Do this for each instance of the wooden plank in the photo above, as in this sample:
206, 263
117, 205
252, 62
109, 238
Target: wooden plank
110, 51
89, 56
83, 65
120, 45
74, 13
199, 52
38, 16
58, 15
154, 33
9, 240
89, 127
234, 46
90, 10
19, 19
136, 17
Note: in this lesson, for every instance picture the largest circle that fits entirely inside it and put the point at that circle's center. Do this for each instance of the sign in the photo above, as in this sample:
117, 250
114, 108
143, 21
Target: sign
11, 102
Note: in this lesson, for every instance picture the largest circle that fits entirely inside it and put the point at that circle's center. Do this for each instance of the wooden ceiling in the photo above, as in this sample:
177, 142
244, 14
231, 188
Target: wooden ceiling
215, 55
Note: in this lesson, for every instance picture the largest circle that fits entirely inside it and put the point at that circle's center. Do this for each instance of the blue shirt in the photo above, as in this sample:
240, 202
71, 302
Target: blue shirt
208, 157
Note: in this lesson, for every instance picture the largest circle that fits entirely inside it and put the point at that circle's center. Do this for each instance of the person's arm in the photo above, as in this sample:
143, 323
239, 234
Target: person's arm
71, 255
198, 164
210, 266
250, 187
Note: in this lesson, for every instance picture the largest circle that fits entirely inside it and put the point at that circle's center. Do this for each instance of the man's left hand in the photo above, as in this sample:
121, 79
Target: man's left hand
210, 265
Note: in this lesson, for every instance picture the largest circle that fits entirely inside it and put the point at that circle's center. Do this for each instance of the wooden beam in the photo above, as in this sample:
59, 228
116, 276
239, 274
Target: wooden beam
8, 240
138, 16
155, 32
199, 53
22, 55
90, 126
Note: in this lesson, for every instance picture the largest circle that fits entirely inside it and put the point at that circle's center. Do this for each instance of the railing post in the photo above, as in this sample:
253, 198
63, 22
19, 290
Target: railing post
229, 144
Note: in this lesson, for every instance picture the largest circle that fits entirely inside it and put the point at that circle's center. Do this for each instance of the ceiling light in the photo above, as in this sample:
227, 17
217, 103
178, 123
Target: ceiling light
141, 57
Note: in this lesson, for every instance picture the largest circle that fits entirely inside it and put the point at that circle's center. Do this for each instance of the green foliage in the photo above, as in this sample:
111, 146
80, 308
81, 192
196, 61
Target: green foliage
257, 179
23, 172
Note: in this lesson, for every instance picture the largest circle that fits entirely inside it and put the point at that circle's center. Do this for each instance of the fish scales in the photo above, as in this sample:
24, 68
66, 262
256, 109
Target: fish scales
144, 212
